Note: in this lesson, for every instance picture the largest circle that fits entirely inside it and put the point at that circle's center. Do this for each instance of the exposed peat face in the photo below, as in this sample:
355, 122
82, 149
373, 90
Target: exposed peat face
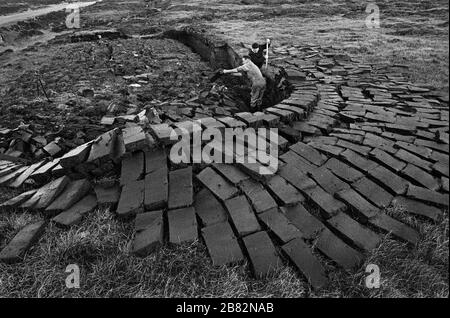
220, 54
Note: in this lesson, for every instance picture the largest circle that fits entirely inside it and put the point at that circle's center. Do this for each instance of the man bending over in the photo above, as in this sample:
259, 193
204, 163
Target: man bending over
256, 78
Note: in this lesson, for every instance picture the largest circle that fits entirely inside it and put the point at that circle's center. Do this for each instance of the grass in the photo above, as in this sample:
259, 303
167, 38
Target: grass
100, 244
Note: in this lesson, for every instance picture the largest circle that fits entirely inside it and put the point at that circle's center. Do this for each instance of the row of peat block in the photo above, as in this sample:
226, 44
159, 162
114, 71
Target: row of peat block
227, 231
287, 196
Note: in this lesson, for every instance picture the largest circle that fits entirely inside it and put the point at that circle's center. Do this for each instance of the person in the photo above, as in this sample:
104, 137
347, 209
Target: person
256, 78
258, 53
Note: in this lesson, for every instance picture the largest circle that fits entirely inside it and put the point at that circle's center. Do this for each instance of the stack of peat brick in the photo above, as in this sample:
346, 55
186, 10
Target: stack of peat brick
22, 144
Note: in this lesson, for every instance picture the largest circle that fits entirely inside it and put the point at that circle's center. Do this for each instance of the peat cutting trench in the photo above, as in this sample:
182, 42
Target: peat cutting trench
353, 139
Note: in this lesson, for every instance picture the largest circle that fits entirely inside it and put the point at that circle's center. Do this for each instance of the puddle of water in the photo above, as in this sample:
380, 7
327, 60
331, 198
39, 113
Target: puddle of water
32, 13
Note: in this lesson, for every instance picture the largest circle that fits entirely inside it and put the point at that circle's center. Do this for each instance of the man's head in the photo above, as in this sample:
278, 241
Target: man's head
245, 59
255, 47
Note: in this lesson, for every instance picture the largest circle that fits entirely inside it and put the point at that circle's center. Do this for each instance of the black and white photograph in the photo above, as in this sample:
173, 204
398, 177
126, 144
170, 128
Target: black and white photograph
223, 156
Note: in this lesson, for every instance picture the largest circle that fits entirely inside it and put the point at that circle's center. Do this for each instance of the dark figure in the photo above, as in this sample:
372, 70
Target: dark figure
258, 53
